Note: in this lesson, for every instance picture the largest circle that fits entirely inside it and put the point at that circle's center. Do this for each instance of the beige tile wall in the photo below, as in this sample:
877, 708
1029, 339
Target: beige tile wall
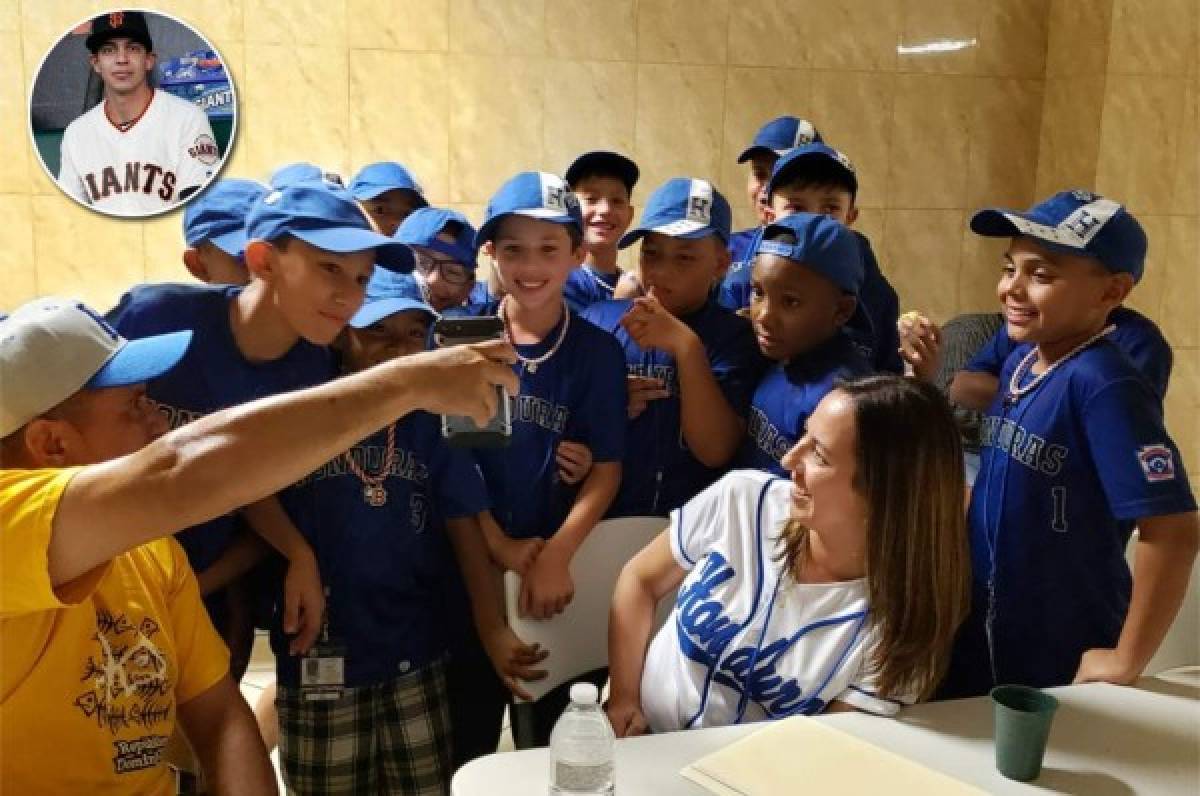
1045, 94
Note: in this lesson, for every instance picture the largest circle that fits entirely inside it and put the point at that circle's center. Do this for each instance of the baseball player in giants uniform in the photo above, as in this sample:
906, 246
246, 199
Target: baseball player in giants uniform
141, 150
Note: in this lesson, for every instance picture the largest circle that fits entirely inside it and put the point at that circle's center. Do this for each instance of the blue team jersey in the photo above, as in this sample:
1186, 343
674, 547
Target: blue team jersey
1135, 334
660, 473
384, 565
577, 395
213, 375
585, 286
873, 325
1065, 472
788, 394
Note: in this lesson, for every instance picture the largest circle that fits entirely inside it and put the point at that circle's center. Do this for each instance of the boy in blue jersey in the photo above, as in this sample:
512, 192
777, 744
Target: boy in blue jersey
691, 364
807, 272
214, 228
375, 517
310, 253
1074, 455
816, 178
572, 387
387, 193
773, 140
603, 182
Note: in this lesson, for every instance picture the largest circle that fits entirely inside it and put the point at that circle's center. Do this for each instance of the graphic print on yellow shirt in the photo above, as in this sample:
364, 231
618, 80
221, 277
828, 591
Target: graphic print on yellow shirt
97, 666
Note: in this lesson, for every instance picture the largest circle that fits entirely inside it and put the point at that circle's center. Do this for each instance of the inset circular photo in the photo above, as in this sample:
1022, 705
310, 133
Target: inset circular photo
132, 113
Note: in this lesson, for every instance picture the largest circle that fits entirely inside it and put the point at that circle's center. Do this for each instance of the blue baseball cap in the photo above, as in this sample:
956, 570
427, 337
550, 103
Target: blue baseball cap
780, 136
327, 217
787, 166
219, 215
1074, 222
534, 194
379, 178
423, 226
388, 293
606, 162
822, 245
683, 207
293, 173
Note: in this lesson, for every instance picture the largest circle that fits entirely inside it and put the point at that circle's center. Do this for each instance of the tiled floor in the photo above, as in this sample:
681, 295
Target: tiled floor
261, 673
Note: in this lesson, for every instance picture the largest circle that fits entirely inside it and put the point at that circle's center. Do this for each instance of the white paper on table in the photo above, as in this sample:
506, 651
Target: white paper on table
800, 755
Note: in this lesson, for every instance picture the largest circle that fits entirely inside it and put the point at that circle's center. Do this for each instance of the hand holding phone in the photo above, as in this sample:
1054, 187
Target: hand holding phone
461, 431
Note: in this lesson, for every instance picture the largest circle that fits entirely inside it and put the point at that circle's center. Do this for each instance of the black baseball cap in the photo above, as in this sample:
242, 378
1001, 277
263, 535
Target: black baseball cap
605, 162
117, 25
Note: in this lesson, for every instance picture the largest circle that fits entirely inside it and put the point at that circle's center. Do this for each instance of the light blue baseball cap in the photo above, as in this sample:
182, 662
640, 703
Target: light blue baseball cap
219, 215
1074, 222
683, 207
327, 217
293, 173
821, 244
534, 194
423, 226
387, 294
379, 178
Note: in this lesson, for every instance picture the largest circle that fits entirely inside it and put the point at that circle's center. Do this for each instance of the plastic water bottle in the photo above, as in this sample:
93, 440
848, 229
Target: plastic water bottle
581, 747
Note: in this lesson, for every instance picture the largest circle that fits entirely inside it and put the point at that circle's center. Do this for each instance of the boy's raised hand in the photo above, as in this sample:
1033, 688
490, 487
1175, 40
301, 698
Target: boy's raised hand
547, 588
650, 325
574, 461
920, 344
513, 659
642, 390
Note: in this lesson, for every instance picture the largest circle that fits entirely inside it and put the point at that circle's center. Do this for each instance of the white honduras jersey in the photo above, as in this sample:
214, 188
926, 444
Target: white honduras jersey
141, 170
745, 642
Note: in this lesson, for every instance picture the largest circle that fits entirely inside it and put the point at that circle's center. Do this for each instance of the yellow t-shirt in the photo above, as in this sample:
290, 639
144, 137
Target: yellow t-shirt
90, 675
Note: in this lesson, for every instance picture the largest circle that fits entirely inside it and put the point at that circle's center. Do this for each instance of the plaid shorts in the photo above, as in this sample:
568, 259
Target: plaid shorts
393, 737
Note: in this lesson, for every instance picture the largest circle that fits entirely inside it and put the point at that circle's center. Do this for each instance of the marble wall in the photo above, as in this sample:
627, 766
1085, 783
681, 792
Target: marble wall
944, 106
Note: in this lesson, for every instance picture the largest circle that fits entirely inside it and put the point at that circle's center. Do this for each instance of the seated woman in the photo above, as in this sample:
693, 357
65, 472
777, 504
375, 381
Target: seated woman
841, 589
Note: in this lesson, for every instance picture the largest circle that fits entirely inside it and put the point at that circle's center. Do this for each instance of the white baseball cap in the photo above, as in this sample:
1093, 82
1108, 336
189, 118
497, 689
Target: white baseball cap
51, 348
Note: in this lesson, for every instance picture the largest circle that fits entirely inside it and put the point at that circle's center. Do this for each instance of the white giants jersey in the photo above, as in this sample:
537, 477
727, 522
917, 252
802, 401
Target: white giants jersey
145, 168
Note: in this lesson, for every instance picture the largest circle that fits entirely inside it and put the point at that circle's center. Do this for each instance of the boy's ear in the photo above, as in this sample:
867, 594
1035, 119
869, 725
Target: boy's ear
724, 258
195, 265
262, 259
845, 309
95, 62
1119, 286
852, 215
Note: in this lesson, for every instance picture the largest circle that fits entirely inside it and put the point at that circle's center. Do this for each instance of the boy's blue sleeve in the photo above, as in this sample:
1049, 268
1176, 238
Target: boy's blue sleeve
1139, 467
990, 358
601, 419
1151, 354
737, 365
126, 315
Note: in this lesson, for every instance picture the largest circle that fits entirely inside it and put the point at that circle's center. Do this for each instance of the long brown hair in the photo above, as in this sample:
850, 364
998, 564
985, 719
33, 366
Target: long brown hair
909, 469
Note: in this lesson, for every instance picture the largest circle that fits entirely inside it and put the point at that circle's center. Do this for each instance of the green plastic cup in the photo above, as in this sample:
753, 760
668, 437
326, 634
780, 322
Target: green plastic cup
1023, 717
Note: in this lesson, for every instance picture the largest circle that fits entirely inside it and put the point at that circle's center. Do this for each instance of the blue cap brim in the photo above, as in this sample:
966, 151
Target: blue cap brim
141, 360
232, 243
751, 151
993, 222
634, 235
461, 254
372, 191
375, 311
390, 254
485, 232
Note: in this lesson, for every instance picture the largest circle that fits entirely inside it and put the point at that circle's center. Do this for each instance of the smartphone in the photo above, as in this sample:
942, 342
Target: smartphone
459, 430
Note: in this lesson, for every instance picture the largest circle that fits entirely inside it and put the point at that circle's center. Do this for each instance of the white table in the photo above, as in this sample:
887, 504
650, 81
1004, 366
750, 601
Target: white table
1105, 740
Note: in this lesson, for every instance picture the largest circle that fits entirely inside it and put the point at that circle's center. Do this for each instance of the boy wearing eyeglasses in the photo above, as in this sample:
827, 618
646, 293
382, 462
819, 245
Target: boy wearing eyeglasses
444, 244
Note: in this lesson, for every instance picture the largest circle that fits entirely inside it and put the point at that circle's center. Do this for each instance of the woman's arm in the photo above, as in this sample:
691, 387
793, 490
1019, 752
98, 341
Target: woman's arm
646, 579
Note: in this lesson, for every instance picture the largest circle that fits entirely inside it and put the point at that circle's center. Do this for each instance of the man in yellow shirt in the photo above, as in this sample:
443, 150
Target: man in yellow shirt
104, 642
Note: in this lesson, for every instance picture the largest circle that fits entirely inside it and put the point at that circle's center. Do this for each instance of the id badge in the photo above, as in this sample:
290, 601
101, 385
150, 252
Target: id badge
323, 673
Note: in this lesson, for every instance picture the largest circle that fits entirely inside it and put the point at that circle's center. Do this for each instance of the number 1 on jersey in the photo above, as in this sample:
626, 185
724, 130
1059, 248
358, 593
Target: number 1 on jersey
1059, 495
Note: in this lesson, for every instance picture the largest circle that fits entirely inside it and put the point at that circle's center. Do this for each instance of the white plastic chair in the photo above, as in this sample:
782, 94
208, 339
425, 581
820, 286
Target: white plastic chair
578, 637
1181, 647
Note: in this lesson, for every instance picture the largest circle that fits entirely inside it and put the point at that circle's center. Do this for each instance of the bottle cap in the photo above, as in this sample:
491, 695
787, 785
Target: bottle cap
584, 693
